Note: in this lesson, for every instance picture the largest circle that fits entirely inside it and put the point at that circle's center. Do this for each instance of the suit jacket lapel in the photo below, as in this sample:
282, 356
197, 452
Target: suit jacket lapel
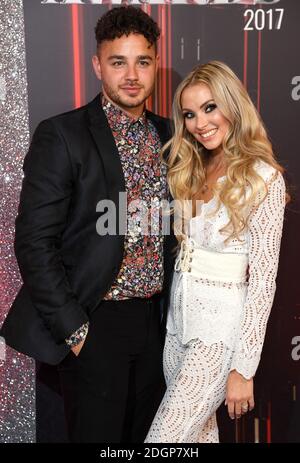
107, 149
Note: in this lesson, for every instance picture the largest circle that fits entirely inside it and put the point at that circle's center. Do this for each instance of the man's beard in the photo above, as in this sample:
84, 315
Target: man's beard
127, 102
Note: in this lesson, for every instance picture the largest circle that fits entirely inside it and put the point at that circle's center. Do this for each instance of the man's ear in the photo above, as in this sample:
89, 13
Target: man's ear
97, 66
157, 61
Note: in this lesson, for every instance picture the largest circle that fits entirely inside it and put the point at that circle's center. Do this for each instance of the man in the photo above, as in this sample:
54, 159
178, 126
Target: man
90, 301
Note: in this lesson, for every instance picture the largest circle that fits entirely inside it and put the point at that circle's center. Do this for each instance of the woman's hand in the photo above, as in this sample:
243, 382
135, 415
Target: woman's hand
239, 394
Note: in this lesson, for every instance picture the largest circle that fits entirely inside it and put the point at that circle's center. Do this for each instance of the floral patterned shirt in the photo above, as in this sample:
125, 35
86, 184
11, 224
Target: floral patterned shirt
139, 146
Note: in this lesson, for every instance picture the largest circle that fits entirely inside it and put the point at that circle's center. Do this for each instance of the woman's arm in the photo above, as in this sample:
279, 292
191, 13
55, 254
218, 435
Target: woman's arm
265, 230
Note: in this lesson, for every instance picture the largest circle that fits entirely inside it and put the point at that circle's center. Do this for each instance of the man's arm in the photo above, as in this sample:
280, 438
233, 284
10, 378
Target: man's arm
42, 217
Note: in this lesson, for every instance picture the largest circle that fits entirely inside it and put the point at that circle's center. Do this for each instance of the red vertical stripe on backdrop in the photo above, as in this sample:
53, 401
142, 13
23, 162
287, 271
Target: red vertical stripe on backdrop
158, 97
76, 56
164, 60
269, 428
147, 9
258, 70
169, 24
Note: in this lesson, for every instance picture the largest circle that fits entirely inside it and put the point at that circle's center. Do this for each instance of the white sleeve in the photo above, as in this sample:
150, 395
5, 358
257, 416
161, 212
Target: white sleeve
265, 230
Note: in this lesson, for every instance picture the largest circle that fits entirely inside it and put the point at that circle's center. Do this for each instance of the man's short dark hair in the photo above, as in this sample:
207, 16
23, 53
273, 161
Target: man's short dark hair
125, 20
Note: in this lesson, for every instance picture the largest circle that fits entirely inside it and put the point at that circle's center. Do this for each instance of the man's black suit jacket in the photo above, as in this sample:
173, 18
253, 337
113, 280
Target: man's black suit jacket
66, 266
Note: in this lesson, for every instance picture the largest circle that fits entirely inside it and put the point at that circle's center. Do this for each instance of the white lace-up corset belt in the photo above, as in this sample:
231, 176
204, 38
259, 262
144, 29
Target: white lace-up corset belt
212, 265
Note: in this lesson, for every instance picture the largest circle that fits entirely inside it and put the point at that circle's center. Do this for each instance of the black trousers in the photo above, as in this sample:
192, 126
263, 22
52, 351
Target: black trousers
112, 390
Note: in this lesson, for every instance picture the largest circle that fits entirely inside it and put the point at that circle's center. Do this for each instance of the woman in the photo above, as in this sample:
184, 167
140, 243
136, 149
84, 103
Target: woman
222, 164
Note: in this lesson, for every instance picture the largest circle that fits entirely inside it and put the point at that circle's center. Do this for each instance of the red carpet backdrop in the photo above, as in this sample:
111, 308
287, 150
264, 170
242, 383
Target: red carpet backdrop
45, 68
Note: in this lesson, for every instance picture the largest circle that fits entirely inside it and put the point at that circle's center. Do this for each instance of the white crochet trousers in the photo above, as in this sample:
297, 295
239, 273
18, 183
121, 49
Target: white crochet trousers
196, 376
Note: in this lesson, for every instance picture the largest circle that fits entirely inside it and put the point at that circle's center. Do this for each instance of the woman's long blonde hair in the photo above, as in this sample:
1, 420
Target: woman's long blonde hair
245, 143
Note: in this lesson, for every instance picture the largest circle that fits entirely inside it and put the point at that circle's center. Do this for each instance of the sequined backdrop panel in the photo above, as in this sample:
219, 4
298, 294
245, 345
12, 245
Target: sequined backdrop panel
17, 375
